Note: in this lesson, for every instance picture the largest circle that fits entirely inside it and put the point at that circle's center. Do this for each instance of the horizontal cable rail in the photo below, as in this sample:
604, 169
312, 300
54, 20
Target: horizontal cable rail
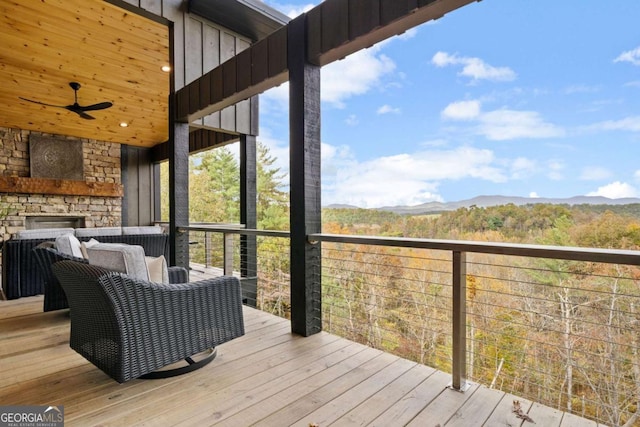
611, 256
217, 249
555, 325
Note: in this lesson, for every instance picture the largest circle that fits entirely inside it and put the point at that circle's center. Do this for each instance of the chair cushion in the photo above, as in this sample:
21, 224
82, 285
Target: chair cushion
98, 231
157, 267
119, 257
84, 245
43, 233
146, 229
69, 244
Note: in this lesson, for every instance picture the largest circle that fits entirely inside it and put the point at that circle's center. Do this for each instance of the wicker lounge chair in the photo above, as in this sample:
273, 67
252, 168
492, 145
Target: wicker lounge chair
54, 298
130, 328
45, 256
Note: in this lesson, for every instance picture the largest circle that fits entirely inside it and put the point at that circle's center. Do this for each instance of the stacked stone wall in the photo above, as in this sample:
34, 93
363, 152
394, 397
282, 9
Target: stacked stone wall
101, 164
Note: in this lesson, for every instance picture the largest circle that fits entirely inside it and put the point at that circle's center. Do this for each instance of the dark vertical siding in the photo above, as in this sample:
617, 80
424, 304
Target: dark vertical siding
200, 46
137, 180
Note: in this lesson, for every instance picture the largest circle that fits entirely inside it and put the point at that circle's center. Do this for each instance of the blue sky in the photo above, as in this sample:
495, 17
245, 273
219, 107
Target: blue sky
536, 98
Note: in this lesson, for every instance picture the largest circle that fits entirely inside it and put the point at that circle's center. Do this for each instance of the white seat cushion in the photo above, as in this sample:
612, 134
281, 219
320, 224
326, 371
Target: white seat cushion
145, 229
43, 233
98, 231
119, 257
69, 244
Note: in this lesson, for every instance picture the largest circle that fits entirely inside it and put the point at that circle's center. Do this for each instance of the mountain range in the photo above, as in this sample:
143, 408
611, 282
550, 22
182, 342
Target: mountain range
486, 201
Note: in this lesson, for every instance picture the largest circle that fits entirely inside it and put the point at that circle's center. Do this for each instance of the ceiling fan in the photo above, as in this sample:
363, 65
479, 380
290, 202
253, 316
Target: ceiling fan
75, 107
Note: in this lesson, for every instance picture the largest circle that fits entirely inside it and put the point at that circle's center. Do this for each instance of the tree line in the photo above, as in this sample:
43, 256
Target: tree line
561, 333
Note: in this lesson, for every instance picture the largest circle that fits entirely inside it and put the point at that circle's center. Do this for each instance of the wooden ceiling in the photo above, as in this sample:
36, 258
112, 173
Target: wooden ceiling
114, 54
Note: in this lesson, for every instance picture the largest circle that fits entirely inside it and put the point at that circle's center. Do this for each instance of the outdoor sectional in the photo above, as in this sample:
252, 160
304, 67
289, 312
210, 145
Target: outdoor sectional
21, 275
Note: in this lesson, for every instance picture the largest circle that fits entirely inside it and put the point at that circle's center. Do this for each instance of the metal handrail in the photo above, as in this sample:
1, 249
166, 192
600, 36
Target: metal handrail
459, 249
609, 256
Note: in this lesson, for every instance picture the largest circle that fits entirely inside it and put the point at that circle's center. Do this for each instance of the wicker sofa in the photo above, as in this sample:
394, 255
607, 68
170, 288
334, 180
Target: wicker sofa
21, 275
131, 328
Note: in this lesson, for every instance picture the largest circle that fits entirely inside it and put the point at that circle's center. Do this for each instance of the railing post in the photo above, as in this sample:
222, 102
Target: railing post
459, 347
207, 249
228, 254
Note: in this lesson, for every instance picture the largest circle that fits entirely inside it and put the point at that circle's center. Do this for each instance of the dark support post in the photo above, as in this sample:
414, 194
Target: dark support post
304, 130
248, 217
459, 367
179, 193
178, 146
157, 194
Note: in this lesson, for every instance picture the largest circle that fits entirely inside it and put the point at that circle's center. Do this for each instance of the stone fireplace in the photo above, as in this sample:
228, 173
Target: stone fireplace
27, 202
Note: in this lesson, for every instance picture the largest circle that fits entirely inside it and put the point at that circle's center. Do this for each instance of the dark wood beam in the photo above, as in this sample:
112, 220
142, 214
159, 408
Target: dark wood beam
335, 29
199, 140
304, 164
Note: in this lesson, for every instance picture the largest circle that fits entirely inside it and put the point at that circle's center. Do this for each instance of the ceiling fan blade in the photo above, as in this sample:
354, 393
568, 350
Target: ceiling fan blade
42, 103
82, 114
98, 106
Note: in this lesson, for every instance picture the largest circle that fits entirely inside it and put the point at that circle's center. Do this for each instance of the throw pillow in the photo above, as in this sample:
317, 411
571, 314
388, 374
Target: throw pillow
84, 245
69, 244
157, 267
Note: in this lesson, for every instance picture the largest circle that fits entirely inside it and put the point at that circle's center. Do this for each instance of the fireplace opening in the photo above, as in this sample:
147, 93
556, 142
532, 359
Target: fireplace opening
38, 222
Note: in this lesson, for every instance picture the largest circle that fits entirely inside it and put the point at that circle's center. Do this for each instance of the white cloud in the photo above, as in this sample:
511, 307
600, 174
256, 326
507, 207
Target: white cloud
404, 178
615, 190
632, 56
554, 170
534, 195
387, 109
522, 168
595, 173
409, 34
504, 124
461, 110
291, 10
581, 89
355, 75
630, 124
474, 68
352, 120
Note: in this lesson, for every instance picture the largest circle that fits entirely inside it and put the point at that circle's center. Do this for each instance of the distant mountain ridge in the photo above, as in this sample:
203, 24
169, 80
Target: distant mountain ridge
487, 201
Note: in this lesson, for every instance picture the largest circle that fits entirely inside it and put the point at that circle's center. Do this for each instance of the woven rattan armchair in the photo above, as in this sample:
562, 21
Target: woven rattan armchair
46, 255
131, 328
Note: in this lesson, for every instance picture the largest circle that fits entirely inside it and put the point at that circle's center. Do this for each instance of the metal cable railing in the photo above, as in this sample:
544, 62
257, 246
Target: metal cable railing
559, 326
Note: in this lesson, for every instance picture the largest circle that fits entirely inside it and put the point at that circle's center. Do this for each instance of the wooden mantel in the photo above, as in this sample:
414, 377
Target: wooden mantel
14, 184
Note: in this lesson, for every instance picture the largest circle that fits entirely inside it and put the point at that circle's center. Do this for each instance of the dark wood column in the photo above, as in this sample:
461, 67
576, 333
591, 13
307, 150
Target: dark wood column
248, 217
304, 128
179, 193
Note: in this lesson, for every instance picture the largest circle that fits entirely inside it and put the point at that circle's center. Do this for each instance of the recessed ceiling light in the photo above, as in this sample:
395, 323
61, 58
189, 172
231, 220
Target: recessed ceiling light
166, 68
124, 124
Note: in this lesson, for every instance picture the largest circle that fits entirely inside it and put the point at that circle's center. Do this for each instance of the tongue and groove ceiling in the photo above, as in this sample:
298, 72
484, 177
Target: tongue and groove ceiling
116, 56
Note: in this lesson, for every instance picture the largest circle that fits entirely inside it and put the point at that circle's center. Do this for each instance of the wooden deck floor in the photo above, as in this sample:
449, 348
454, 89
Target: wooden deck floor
269, 377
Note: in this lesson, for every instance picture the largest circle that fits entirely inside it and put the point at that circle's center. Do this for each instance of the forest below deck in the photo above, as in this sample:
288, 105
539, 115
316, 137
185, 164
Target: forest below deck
559, 332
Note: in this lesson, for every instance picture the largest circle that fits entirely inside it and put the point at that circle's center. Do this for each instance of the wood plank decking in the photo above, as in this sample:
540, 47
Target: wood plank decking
269, 377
